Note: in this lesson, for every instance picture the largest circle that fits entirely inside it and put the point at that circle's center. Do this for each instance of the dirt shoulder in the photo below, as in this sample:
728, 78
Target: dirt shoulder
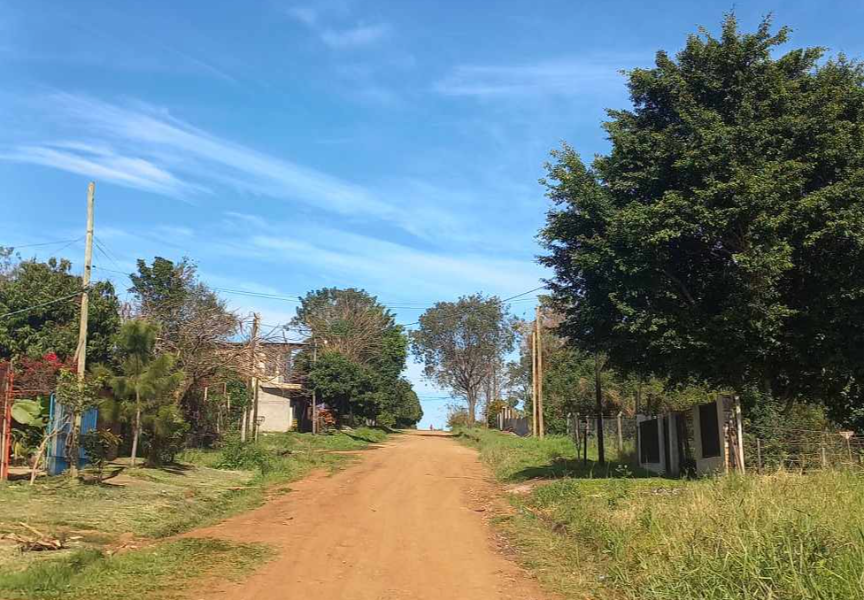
406, 522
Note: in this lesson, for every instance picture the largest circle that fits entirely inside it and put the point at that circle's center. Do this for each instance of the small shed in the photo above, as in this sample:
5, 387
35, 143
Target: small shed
58, 421
703, 440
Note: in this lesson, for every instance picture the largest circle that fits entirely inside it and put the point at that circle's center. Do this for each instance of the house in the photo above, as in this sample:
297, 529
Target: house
703, 440
282, 405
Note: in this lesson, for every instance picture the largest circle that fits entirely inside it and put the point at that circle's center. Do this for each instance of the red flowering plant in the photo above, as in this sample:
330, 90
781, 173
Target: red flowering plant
38, 376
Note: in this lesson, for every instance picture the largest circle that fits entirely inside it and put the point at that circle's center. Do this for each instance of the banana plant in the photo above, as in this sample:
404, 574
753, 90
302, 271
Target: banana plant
29, 412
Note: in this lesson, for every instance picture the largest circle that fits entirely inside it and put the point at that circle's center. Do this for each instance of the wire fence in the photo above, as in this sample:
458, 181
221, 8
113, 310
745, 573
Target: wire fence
777, 448
619, 437
766, 448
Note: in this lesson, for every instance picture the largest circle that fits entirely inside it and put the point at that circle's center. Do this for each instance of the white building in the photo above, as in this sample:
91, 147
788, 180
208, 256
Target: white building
703, 440
281, 404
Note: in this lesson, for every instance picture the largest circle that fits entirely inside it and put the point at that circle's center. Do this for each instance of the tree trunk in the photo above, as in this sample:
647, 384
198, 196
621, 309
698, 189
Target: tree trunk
136, 428
472, 407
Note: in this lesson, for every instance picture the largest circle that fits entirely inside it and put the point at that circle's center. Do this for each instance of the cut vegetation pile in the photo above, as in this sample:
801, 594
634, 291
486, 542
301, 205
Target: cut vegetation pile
783, 536
137, 507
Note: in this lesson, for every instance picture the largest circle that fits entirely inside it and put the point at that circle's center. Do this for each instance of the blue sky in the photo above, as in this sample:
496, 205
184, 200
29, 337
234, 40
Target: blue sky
287, 146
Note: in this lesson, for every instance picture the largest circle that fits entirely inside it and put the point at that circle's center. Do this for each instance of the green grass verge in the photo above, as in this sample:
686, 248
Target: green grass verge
777, 537
156, 503
149, 573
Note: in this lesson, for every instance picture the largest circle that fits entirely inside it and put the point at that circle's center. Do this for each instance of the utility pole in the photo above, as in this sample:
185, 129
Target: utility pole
256, 321
81, 350
314, 394
638, 412
535, 430
598, 391
539, 345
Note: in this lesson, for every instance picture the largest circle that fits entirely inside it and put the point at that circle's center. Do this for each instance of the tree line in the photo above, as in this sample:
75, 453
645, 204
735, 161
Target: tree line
153, 359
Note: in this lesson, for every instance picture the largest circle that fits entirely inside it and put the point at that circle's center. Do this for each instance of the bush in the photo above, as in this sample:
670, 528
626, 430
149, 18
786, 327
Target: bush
246, 456
167, 437
99, 444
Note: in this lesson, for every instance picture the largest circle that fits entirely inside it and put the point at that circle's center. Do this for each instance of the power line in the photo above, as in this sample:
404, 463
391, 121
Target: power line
537, 289
295, 299
35, 306
106, 252
298, 299
57, 242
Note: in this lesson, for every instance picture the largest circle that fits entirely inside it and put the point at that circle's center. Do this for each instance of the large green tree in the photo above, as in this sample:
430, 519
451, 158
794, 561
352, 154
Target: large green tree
45, 311
462, 342
196, 328
722, 237
361, 356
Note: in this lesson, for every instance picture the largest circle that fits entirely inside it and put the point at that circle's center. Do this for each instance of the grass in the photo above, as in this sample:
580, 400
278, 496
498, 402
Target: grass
520, 459
774, 537
144, 574
204, 487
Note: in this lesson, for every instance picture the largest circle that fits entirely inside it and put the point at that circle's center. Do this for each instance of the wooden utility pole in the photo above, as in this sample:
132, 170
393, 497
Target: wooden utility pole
81, 350
598, 391
539, 344
638, 403
535, 430
314, 394
256, 321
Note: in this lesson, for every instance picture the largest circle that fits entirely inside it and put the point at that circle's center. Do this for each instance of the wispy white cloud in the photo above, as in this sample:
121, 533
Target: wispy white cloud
338, 38
102, 163
144, 147
543, 78
353, 37
141, 146
304, 14
373, 262
174, 231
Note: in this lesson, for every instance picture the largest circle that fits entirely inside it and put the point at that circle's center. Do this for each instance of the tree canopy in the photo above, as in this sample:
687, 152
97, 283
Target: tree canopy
361, 356
53, 328
461, 343
722, 236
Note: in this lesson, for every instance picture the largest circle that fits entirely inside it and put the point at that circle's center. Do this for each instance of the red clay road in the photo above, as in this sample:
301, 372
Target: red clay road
405, 523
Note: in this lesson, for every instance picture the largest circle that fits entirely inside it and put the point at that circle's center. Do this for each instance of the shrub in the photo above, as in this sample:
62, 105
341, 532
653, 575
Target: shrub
238, 455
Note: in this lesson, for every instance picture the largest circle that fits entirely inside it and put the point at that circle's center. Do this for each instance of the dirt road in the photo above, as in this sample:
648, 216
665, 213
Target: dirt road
407, 522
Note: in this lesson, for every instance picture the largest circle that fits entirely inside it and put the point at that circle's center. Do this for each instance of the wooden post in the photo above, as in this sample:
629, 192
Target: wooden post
598, 392
739, 435
256, 321
535, 430
759, 454
638, 408
620, 437
81, 350
314, 394
576, 424
824, 458
539, 343
585, 444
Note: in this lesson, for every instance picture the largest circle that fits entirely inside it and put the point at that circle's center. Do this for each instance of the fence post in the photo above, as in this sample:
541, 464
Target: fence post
585, 444
576, 425
759, 454
620, 438
824, 458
